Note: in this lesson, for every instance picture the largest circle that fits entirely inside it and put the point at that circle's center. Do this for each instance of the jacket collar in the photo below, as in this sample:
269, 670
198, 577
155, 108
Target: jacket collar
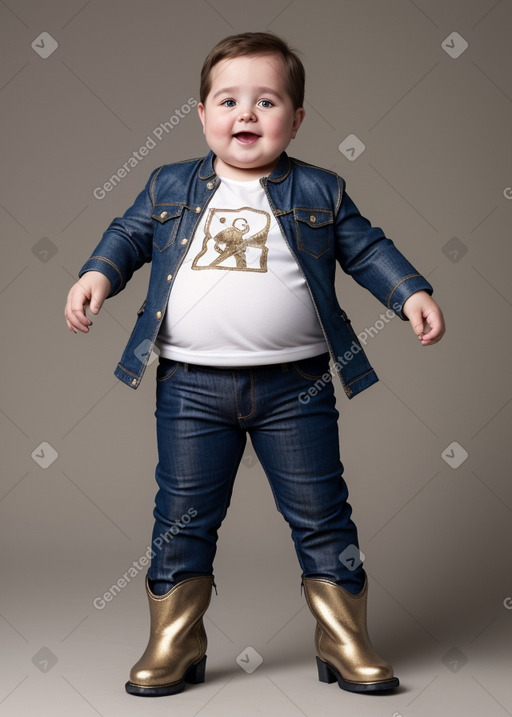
281, 171
206, 167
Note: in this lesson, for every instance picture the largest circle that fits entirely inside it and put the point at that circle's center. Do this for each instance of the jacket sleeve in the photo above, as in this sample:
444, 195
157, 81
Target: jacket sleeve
366, 254
127, 243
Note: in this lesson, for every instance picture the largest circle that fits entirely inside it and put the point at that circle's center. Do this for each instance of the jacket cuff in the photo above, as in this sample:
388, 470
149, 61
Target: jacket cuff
404, 289
107, 267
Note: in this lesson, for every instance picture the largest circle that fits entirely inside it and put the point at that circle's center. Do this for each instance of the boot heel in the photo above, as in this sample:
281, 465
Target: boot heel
325, 674
195, 674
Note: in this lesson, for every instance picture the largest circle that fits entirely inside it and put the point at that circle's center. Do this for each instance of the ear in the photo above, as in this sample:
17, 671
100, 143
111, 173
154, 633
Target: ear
300, 113
202, 113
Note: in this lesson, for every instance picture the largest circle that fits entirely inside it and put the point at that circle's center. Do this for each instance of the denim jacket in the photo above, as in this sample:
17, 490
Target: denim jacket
319, 223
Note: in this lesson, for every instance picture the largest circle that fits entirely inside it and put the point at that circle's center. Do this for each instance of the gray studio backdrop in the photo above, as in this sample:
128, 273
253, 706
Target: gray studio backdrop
410, 101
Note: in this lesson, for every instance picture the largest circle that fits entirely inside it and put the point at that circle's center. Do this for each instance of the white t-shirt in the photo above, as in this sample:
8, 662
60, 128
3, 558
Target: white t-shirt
239, 298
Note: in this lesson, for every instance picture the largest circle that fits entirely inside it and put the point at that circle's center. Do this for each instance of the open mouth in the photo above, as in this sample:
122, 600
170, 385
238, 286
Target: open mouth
246, 137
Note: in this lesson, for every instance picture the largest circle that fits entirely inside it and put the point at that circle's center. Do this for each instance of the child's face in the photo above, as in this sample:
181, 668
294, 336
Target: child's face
248, 117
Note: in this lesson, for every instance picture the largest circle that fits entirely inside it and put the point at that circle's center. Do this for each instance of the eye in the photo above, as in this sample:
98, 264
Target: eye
266, 103
228, 103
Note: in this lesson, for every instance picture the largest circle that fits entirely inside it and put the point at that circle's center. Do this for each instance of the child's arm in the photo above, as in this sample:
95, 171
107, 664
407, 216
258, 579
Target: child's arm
124, 248
426, 318
91, 290
374, 261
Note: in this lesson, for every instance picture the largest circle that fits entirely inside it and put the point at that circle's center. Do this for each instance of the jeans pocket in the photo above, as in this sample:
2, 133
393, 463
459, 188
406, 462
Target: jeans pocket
313, 369
166, 369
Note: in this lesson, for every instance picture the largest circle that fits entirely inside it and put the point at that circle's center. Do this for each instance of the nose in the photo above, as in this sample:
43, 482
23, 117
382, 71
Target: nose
247, 113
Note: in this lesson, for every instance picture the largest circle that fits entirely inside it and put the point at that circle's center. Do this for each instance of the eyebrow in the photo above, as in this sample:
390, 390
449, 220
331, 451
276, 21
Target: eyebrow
260, 90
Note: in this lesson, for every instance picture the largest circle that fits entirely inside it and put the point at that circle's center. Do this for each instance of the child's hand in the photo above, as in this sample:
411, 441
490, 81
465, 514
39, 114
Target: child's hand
426, 317
91, 290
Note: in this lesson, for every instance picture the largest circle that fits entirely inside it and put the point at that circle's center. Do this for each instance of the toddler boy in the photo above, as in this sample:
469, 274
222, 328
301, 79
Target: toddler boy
242, 307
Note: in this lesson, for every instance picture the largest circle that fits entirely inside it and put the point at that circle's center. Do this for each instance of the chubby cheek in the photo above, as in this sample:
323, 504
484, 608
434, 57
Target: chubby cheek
219, 130
278, 130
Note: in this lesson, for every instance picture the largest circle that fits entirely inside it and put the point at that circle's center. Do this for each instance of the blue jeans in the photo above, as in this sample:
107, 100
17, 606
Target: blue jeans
203, 417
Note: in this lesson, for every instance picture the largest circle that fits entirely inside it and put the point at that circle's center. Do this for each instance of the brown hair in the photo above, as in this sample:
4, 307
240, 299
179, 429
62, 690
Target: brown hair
256, 43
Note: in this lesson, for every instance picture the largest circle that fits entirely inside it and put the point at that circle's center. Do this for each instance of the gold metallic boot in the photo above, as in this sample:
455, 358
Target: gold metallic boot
343, 647
176, 651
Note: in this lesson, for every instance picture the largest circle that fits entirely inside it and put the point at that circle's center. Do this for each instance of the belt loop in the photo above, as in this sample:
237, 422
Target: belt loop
284, 367
185, 365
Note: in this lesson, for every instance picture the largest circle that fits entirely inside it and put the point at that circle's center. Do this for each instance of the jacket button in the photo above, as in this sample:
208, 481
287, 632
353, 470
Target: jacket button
163, 215
169, 277
197, 210
312, 219
134, 382
209, 185
158, 314
184, 241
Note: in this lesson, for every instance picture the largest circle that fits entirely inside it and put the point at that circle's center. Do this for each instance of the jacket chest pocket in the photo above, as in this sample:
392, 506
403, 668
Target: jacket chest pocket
314, 229
167, 219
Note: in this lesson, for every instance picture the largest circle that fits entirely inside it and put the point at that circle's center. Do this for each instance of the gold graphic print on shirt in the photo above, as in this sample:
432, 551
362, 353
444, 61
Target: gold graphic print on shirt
234, 239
